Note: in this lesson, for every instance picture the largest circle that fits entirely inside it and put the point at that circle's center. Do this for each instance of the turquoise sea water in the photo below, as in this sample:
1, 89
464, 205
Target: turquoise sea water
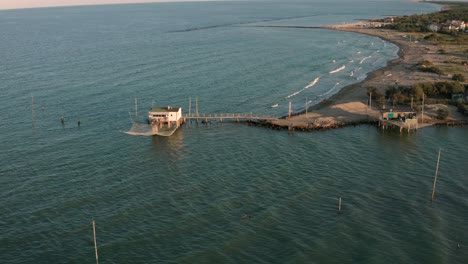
180, 199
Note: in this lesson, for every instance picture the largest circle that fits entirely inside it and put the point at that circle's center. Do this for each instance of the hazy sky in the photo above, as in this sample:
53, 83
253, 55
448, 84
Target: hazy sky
13, 4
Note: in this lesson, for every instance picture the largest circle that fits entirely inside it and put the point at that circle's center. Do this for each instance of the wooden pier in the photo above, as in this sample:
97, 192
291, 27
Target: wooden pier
409, 124
237, 117
404, 120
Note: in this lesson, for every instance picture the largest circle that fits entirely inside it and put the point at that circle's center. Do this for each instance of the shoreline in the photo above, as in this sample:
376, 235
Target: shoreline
349, 106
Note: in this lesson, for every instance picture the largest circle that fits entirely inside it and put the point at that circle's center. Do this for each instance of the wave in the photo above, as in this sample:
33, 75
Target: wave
293, 94
365, 58
329, 91
314, 82
339, 69
376, 61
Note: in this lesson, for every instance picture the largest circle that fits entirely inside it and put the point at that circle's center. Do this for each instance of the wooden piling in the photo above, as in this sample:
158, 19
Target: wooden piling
339, 206
95, 242
435, 177
33, 115
190, 106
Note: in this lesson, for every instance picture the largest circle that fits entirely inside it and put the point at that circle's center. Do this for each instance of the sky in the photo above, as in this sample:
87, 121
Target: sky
15, 4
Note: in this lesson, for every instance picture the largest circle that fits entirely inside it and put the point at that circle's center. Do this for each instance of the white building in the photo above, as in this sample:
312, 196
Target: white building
448, 26
458, 24
166, 115
434, 27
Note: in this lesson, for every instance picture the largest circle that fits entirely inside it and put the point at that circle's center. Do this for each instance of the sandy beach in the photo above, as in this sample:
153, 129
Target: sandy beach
350, 105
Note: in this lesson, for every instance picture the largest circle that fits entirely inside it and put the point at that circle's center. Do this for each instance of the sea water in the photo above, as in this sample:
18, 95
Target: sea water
181, 199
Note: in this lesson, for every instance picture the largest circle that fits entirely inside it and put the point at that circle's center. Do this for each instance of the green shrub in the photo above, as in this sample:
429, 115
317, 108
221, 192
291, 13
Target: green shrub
458, 77
443, 114
424, 64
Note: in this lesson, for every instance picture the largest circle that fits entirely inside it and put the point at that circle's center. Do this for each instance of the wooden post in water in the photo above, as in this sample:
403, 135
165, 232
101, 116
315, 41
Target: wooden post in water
32, 113
136, 109
306, 106
95, 242
339, 206
196, 107
190, 106
435, 177
422, 112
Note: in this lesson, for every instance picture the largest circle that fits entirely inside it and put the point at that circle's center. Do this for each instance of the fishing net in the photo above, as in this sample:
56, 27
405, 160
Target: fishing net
140, 129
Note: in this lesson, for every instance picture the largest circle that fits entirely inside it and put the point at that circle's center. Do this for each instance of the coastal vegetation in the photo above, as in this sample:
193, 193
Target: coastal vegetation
458, 77
451, 43
462, 107
438, 92
427, 66
436, 27
419, 23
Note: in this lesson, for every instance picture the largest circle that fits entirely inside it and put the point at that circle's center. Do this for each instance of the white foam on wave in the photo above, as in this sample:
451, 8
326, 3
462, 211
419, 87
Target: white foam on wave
314, 82
376, 61
329, 91
339, 69
364, 59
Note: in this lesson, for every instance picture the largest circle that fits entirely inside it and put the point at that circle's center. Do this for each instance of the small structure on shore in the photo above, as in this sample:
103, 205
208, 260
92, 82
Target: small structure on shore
402, 119
399, 115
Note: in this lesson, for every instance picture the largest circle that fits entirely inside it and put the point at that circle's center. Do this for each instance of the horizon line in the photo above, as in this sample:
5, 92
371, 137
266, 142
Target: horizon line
128, 2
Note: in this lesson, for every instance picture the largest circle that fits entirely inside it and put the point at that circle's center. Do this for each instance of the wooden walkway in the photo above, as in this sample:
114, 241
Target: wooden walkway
230, 116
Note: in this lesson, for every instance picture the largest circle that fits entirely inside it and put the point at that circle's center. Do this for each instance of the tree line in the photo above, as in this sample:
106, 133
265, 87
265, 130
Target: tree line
419, 23
403, 95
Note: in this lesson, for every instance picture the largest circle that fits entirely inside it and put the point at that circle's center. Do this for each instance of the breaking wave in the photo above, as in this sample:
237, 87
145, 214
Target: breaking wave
364, 59
314, 82
339, 69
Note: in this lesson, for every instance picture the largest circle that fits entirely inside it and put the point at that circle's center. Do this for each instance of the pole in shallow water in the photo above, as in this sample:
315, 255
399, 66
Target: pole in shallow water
32, 113
339, 206
435, 177
95, 242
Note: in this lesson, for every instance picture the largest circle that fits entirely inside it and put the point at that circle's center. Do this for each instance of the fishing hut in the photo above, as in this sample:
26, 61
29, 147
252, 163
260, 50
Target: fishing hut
165, 118
400, 119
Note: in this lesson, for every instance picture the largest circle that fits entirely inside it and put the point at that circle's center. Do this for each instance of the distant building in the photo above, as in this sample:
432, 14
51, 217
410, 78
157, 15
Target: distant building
434, 27
388, 20
458, 25
448, 26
